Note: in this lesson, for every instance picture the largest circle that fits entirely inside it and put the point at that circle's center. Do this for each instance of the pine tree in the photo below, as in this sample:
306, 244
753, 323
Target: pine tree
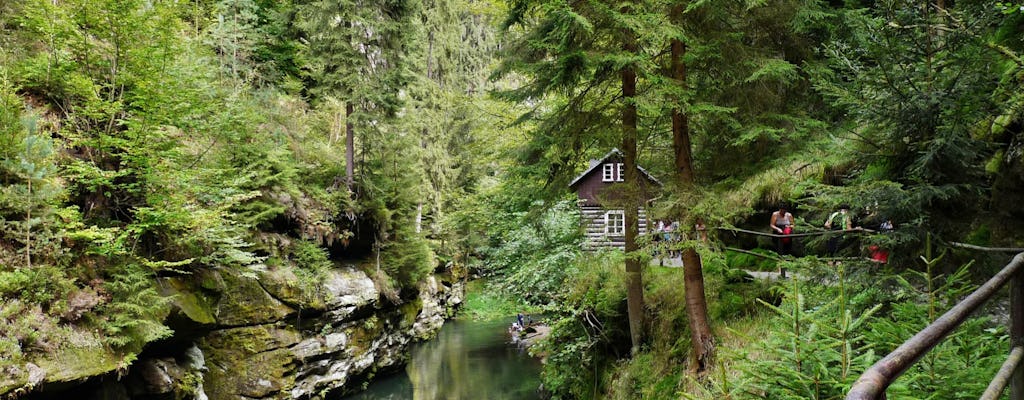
916, 89
596, 55
30, 194
357, 54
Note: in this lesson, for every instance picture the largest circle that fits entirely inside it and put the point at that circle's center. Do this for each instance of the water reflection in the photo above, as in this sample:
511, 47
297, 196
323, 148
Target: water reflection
467, 360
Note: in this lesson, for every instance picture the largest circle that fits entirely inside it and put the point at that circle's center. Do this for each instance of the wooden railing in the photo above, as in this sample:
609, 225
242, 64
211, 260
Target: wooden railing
872, 384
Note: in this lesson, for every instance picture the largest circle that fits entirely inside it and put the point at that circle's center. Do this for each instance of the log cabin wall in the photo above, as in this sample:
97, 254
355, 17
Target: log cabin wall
599, 190
594, 218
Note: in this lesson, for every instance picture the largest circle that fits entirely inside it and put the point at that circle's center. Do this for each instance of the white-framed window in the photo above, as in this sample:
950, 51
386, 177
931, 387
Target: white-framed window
614, 222
612, 173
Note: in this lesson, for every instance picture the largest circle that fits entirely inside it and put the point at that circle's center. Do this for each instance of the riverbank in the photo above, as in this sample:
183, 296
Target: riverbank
267, 337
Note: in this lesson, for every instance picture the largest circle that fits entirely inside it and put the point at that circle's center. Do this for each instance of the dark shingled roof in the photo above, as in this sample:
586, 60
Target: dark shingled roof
614, 152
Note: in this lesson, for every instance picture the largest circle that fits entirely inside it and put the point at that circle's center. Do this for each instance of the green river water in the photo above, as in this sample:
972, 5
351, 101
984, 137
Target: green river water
467, 360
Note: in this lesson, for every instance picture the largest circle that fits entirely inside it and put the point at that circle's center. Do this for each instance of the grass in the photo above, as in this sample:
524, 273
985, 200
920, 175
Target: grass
486, 304
725, 379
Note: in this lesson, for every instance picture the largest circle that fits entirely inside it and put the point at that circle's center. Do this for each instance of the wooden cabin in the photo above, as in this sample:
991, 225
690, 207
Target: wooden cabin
599, 190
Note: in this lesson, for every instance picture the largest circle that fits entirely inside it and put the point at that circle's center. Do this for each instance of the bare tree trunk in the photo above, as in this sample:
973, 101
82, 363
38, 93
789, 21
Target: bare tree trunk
335, 129
419, 217
28, 227
634, 278
350, 147
693, 274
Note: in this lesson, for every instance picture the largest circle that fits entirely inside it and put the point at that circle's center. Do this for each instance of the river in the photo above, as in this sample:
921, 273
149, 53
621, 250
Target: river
467, 360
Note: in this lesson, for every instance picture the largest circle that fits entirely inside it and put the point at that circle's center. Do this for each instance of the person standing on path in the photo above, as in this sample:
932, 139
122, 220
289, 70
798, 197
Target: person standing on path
782, 224
839, 220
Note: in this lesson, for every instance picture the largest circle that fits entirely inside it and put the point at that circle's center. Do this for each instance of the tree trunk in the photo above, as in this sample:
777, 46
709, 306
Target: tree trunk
350, 147
28, 227
693, 275
419, 217
634, 279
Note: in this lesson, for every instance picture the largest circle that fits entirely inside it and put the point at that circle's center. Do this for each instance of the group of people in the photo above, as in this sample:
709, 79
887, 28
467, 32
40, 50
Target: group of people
666, 232
519, 326
782, 223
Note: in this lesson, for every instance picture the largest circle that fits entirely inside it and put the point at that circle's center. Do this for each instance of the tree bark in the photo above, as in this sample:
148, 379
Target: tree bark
634, 279
693, 274
28, 227
350, 147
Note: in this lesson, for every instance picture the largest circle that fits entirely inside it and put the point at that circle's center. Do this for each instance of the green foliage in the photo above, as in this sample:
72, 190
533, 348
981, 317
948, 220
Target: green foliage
737, 260
536, 258
644, 376
589, 332
971, 354
136, 310
408, 260
816, 353
915, 127
141, 138
310, 257
41, 285
31, 190
483, 303
822, 337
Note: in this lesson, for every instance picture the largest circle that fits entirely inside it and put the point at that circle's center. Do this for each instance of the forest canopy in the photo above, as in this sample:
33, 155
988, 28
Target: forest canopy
141, 140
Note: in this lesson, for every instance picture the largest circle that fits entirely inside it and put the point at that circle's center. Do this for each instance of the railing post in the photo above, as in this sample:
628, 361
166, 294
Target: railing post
1017, 332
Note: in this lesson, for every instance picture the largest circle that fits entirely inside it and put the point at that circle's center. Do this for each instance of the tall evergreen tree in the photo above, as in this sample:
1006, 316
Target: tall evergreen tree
594, 54
357, 53
634, 272
916, 88
693, 275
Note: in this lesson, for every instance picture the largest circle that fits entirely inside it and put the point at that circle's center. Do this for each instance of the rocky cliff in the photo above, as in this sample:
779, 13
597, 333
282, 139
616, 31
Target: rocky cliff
269, 336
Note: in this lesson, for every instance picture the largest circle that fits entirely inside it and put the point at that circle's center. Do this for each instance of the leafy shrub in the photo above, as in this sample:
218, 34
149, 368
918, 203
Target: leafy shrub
408, 260
537, 258
589, 331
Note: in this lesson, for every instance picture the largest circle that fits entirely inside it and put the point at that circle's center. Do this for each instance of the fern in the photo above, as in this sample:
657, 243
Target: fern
136, 310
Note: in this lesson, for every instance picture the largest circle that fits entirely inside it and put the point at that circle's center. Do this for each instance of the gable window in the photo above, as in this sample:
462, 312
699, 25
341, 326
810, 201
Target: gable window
614, 222
612, 172
609, 173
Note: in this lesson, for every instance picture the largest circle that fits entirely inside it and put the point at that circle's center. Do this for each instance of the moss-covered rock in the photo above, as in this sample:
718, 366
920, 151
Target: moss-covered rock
74, 362
252, 361
294, 289
193, 303
243, 301
250, 341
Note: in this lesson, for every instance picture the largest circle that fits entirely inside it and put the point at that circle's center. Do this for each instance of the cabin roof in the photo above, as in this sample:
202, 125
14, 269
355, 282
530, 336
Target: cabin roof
594, 165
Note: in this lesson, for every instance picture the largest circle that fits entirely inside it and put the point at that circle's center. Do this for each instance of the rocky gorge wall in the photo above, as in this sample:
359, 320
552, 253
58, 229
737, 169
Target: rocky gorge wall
268, 336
